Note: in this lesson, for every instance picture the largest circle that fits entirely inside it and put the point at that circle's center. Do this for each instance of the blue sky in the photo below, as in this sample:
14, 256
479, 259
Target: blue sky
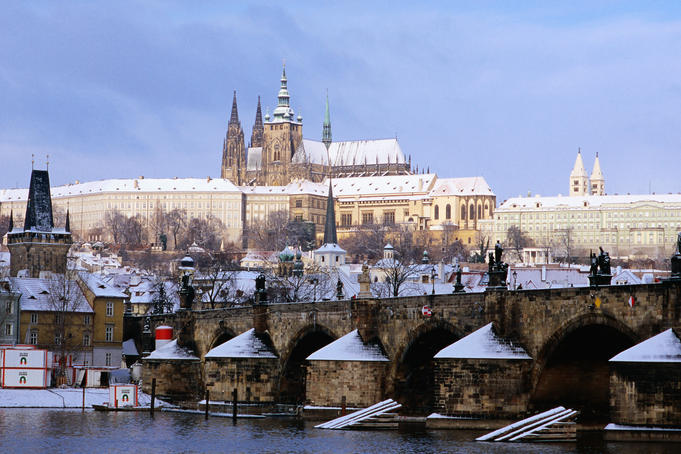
506, 90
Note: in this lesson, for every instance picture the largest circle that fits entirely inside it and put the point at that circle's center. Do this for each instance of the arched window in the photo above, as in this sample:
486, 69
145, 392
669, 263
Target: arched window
437, 212
463, 212
471, 214
448, 212
479, 211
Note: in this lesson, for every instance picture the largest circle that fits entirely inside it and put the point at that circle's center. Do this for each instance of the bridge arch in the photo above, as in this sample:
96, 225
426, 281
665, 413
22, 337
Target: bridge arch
221, 335
412, 368
292, 380
571, 368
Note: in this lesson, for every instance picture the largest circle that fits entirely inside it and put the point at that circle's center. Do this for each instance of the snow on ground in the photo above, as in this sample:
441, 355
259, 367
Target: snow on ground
246, 345
612, 426
662, 348
349, 348
483, 344
62, 398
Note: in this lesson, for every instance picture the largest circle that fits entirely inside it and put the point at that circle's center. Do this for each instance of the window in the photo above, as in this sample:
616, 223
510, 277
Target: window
448, 211
86, 319
388, 217
368, 218
9, 328
471, 215
34, 317
57, 339
479, 211
8, 307
299, 203
437, 212
463, 212
107, 359
299, 218
346, 219
33, 338
109, 309
109, 333
86, 340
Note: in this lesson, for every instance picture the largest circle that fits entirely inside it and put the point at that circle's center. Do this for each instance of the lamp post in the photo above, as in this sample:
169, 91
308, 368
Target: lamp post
515, 278
433, 275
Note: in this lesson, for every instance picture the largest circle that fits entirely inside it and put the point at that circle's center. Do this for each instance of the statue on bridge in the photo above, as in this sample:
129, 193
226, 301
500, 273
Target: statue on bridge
260, 290
600, 273
339, 290
458, 286
676, 260
498, 270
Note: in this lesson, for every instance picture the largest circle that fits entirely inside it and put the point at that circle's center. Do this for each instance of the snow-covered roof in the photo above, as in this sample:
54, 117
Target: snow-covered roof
99, 287
172, 351
293, 188
329, 247
129, 348
129, 185
662, 348
587, 201
398, 185
483, 344
461, 187
245, 345
352, 152
35, 294
349, 348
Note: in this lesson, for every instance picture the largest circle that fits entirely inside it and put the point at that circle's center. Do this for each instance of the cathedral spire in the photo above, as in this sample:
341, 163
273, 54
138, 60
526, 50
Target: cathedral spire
330, 236
283, 110
234, 118
258, 128
39, 205
67, 225
326, 128
11, 221
597, 179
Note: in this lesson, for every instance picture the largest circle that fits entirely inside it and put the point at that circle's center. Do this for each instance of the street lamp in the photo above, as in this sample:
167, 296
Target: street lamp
515, 278
433, 275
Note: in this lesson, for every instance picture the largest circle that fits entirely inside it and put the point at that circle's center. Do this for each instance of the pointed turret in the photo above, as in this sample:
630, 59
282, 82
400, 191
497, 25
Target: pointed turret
326, 128
234, 117
330, 236
67, 225
579, 180
258, 128
39, 206
11, 221
283, 112
597, 179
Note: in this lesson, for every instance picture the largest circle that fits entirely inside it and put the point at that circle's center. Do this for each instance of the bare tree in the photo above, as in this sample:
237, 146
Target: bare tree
161, 303
115, 224
159, 223
176, 221
565, 240
4, 225
275, 232
367, 242
65, 299
315, 284
482, 245
215, 282
396, 276
133, 232
517, 241
205, 232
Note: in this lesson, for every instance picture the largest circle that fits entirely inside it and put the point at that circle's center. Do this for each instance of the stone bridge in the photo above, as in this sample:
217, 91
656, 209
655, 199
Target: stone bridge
569, 333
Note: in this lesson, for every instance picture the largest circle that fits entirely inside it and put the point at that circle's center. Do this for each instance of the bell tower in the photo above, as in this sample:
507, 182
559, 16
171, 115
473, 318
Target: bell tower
579, 180
282, 135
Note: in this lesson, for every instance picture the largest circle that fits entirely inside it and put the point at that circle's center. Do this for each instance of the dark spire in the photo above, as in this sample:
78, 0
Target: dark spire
258, 128
330, 236
67, 225
39, 205
11, 221
326, 128
234, 118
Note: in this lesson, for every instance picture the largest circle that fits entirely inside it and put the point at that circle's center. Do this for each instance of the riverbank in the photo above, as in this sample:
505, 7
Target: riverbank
62, 398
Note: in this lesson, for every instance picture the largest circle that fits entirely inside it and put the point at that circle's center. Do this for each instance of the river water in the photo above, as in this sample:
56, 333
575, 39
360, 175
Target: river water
70, 431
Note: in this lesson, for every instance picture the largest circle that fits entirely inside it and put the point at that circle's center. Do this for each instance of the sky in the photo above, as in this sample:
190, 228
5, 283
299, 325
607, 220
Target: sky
507, 90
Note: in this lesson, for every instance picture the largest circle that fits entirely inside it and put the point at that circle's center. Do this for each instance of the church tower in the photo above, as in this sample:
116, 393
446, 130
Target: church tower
326, 128
579, 180
39, 246
597, 179
282, 135
258, 129
233, 152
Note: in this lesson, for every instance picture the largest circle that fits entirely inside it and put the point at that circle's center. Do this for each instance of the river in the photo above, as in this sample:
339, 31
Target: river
70, 431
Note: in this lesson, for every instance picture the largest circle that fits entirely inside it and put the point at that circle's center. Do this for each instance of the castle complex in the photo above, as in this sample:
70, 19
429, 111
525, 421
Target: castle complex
277, 153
